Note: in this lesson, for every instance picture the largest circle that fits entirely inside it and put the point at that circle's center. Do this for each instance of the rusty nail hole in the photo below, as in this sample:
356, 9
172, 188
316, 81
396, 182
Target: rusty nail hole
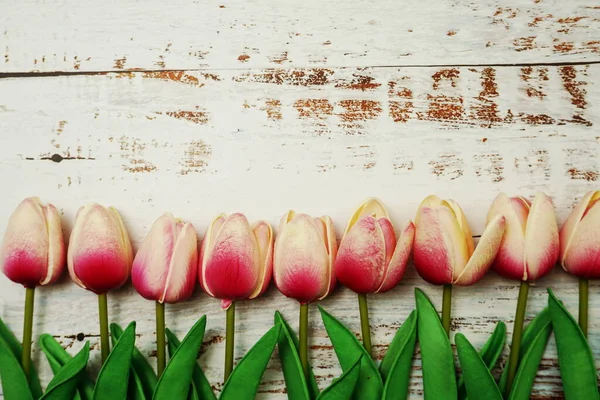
56, 158
80, 336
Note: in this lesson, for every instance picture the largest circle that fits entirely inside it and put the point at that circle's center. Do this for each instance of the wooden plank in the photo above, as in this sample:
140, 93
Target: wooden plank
63, 36
318, 140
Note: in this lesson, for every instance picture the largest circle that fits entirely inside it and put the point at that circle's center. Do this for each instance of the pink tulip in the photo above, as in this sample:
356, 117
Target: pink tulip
99, 255
33, 251
369, 259
444, 251
166, 265
580, 238
305, 251
530, 246
236, 260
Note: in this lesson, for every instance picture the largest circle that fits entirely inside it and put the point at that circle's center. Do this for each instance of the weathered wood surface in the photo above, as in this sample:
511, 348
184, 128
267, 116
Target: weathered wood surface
95, 36
244, 106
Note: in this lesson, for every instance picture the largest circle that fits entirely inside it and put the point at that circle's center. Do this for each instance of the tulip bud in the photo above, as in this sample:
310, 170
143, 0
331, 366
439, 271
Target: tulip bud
530, 246
236, 260
33, 251
444, 252
580, 238
166, 265
369, 260
305, 251
99, 255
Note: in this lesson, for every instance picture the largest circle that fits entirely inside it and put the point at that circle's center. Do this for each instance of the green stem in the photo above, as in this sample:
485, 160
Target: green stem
583, 304
447, 308
27, 330
229, 340
161, 360
515, 346
364, 322
103, 312
304, 337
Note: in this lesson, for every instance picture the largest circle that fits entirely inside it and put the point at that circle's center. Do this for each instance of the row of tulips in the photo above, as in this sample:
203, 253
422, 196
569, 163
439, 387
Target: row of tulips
237, 261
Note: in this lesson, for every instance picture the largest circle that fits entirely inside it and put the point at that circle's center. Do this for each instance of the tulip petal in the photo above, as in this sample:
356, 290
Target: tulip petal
56, 246
397, 265
209, 239
264, 238
181, 277
583, 257
541, 238
372, 207
484, 253
332, 249
569, 227
464, 225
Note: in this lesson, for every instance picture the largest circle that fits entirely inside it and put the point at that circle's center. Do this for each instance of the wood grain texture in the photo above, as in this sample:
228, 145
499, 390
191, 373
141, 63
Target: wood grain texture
315, 139
72, 36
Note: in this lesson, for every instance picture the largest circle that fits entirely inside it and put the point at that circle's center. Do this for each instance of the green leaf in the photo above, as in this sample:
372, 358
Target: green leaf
343, 387
479, 381
135, 389
57, 357
201, 385
64, 384
437, 360
193, 393
295, 380
398, 344
143, 370
348, 349
577, 368
528, 366
244, 380
175, 381
398, 376
113, 379
14, 381
15, 347
537, 325
489, 353
313, 388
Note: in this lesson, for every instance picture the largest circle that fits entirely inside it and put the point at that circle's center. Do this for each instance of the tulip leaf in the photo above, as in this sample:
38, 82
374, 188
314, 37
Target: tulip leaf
295, 380
313, 388
201, 386
533, 329
135, 389
244, 380
57, 357
14, 381
529, 364
65, 381
577, 368
398, 344
478, 379
17, 350
144, 374
437, 360
489, 353
175, 381
343, 387
348, 349
193, 393
398, 375
113, 380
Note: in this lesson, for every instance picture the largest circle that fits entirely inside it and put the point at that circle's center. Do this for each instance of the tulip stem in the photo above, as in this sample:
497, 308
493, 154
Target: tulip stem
304, 337
103, 313
364, 323
27, 330
515, 346
583, 304
229, 340
446, 308
161, 361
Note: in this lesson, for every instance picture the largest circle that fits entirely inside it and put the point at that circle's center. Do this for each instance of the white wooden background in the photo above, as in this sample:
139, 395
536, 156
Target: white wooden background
201, 107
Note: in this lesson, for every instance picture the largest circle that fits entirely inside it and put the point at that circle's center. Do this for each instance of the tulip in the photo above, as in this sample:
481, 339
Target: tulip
99, 257
165, 269
529, 250
32, 254
580, 248
369, 259
236, 262
305, 252
444, 251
